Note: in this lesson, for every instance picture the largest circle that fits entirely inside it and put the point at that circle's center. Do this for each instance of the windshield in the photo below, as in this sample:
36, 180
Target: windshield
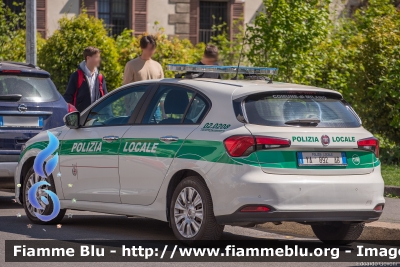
32, 89
299, 109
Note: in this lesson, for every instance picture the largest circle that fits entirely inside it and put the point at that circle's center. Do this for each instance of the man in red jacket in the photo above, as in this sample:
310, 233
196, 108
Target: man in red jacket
86, 85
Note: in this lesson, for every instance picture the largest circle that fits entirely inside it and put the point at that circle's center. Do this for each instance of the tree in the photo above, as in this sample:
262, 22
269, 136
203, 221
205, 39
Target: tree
285, 34
13, 34
229, 48
63, 50
376, 82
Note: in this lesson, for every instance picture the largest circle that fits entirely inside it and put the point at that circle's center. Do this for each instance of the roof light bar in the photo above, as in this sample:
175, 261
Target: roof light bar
222, 69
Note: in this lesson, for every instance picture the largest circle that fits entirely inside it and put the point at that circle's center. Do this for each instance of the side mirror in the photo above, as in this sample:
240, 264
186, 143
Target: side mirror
72, 120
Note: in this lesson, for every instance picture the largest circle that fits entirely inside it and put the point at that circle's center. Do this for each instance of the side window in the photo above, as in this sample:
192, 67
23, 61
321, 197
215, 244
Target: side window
197, 110
116, 109
168, 105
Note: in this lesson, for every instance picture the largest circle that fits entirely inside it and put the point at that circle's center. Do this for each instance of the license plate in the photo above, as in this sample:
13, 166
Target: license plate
321, 159
21, 121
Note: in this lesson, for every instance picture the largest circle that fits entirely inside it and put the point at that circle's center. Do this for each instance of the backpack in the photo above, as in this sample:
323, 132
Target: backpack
81, 78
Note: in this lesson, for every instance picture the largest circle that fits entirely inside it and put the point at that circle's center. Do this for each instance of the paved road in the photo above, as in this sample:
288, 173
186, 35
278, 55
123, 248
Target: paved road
96, 226
391, 212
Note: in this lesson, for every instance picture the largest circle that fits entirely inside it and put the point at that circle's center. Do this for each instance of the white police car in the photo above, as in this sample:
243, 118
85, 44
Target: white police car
203, 153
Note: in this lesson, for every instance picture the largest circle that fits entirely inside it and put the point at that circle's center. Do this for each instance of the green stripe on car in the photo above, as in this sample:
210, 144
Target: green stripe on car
211, 151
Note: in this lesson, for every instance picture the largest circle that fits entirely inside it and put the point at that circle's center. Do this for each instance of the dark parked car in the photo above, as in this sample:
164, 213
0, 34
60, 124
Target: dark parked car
29, 104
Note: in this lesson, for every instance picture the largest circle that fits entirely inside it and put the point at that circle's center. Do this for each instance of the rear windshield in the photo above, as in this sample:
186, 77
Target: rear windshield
32, 89
328, 110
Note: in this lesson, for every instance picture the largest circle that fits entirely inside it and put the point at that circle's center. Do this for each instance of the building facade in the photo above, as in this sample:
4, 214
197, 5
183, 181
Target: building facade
187, 18
191, 19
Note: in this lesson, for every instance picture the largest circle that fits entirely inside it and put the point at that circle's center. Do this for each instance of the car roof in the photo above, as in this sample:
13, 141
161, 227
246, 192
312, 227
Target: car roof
25, 68
240, 88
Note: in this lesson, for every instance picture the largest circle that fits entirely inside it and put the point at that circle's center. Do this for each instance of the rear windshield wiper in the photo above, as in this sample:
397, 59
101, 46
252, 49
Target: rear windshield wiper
308, 122
10, 97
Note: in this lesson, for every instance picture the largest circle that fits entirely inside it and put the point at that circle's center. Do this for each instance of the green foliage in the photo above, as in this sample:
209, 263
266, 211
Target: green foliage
391, 176
229, 48
62, 52
376, 81
170, 50
361, 59
12, 34
285, 34
389, 153
360, 56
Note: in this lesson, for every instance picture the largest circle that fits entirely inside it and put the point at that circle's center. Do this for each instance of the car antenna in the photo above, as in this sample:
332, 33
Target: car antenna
240, 56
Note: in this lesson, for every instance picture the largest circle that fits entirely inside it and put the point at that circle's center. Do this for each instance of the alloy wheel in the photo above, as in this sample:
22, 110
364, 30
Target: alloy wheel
34, 178
188, 212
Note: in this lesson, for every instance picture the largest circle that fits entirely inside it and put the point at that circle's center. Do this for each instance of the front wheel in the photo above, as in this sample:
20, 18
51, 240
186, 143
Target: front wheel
47, 205
338, 233
191, 212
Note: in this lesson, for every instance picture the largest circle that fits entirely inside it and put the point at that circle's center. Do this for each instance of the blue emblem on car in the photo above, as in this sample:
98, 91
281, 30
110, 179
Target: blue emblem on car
44, 172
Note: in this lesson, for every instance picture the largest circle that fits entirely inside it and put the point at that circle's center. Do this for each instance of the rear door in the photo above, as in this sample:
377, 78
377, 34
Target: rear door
148, 149
322, 129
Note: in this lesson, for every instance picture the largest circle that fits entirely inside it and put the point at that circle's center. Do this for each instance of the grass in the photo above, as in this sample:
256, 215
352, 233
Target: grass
391, 175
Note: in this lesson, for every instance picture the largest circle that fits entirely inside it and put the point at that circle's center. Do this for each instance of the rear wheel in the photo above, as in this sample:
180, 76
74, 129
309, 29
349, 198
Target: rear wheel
338, 233
191, 212
30, 179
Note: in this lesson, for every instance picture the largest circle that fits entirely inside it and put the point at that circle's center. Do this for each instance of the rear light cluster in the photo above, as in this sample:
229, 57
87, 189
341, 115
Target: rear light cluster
244, 145
71, 108
370, 144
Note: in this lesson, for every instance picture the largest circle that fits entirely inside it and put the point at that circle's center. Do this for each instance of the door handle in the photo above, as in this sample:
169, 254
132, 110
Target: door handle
169, 139
110, 138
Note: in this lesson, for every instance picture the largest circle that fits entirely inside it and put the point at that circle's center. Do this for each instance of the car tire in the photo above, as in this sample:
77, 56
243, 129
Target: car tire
338, 233
30, 177
194, 220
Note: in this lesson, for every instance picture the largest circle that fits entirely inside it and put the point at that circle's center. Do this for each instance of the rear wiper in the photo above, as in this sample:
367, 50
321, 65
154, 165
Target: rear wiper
309, 122
10, 97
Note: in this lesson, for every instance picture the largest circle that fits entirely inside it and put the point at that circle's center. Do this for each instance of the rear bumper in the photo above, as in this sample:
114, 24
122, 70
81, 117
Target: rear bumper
239, 218
7, 169
292, 196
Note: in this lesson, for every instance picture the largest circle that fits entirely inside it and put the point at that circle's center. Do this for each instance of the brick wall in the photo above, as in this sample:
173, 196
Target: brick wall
181, 17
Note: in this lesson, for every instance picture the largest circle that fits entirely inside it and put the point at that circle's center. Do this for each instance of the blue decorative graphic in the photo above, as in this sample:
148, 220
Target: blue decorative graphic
49, 168
44, 154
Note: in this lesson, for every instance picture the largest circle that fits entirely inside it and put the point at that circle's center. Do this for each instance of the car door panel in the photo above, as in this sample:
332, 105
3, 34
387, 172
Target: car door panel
145, 159
89, 165
148, 150
89, 155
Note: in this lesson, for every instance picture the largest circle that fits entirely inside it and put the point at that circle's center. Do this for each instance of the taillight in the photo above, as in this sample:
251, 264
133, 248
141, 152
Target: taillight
244, 145
370, 144
71, 108
240, 145
255, 209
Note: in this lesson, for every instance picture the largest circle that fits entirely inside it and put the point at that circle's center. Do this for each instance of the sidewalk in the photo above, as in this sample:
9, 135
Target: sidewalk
387, 228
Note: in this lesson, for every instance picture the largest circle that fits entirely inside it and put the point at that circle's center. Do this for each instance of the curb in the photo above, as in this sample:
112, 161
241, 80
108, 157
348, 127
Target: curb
372, 231
392, 190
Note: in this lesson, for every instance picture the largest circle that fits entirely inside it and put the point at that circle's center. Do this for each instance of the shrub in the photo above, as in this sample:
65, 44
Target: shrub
230, 48
389, 153
62, 52
376, 80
